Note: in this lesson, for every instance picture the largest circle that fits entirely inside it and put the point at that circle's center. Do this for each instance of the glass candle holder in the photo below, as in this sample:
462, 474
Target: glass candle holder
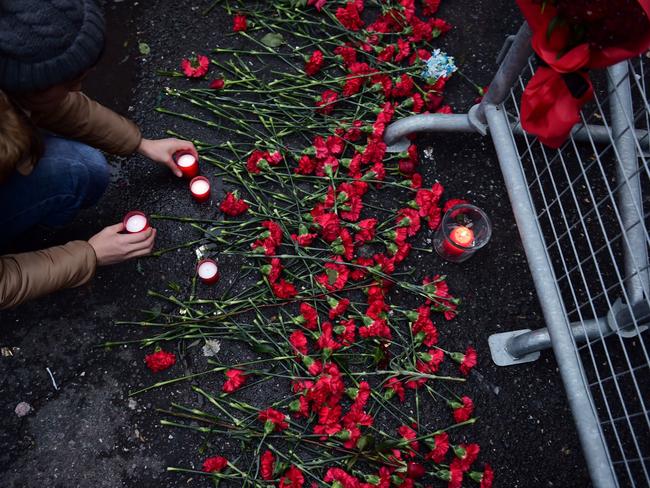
464, 230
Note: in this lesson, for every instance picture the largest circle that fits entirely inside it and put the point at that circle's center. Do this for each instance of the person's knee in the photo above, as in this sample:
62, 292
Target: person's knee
96, 178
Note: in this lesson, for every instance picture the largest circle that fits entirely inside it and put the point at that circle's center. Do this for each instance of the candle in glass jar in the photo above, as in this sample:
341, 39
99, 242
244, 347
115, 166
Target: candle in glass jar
208, 271
187, 163
461, 236
200, 189
135, 222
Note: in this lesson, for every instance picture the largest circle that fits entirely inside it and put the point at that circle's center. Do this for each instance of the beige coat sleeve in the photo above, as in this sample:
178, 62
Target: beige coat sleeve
34, 274
78, 117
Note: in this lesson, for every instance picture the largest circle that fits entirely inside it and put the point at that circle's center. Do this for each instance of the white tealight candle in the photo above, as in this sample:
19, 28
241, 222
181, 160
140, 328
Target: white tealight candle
186, 160
199, 187
136, 223
207, 270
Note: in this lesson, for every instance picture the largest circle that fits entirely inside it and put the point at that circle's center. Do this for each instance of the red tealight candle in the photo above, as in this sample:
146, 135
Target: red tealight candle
208, 271
462, 236
135, 222
200, 188
187, 163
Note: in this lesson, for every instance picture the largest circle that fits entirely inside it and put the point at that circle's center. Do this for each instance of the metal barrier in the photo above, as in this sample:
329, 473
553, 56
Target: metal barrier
582, 213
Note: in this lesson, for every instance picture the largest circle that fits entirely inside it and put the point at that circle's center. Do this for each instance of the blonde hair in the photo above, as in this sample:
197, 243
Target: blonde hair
19, 139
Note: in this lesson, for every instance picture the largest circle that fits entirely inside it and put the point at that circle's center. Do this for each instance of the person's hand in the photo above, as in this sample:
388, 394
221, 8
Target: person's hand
111, 247
162, 150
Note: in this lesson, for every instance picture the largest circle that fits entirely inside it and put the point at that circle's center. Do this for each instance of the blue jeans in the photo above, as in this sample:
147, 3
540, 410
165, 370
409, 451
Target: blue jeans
70, 176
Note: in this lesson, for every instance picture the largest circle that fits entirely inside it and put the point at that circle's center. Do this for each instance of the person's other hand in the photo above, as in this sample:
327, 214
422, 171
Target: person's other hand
162, 150
111, 247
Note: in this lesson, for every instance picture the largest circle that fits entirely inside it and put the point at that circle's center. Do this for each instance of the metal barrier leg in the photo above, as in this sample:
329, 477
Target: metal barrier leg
586, 419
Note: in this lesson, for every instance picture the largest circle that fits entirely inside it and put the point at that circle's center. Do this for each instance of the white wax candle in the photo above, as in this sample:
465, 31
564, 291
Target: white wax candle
136, 223
200, 187
186, 160
207, 270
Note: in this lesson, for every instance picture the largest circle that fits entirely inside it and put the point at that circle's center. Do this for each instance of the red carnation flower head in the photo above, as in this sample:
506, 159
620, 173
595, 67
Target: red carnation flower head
327, 102
467, 361
415, 470
486, 478
463, 410
298, 341
326, 342
365, 231
232, 205
236, 379
160, 360
452, 202
409, 436
292, 478
274, 420
330, 226
195, 67
308, 316
335, 276
267, 465
217, 84
346, 331
239, 23
439, 447
349, 16
284, 290
466, 454
214, 464
394, 387
337, 307
314, 63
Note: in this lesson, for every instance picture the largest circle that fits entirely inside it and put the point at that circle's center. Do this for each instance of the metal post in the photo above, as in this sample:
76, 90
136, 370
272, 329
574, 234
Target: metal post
584, 411
630, 200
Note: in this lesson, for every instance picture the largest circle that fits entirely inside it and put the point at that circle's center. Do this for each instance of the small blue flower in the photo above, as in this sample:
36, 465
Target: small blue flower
439, 65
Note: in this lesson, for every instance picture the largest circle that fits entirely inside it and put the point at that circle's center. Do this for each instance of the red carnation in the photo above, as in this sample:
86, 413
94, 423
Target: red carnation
430, 7
217, 84
349, 16
293, 478
267, 465
298, 341
195, 67
452, 202
338, 307
232, 205
366, 232
214, 464
346, 332
462, 411
486, 478
309, 316
467, 361
330, 226
335, 276
466, 454
394, 387
326, 103
314, 63
274, 420
326, 339
239, 23
441, 446
236, 379
283, 289
160, 360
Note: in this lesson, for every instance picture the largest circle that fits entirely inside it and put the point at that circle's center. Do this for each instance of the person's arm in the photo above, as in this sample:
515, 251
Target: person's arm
72, 114
31, 275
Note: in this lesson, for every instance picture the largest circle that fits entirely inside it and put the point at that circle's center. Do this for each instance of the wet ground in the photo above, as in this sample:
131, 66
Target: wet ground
87, 432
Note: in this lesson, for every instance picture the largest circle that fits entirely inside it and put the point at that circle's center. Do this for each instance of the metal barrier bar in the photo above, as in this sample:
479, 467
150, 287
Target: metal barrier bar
584, 412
